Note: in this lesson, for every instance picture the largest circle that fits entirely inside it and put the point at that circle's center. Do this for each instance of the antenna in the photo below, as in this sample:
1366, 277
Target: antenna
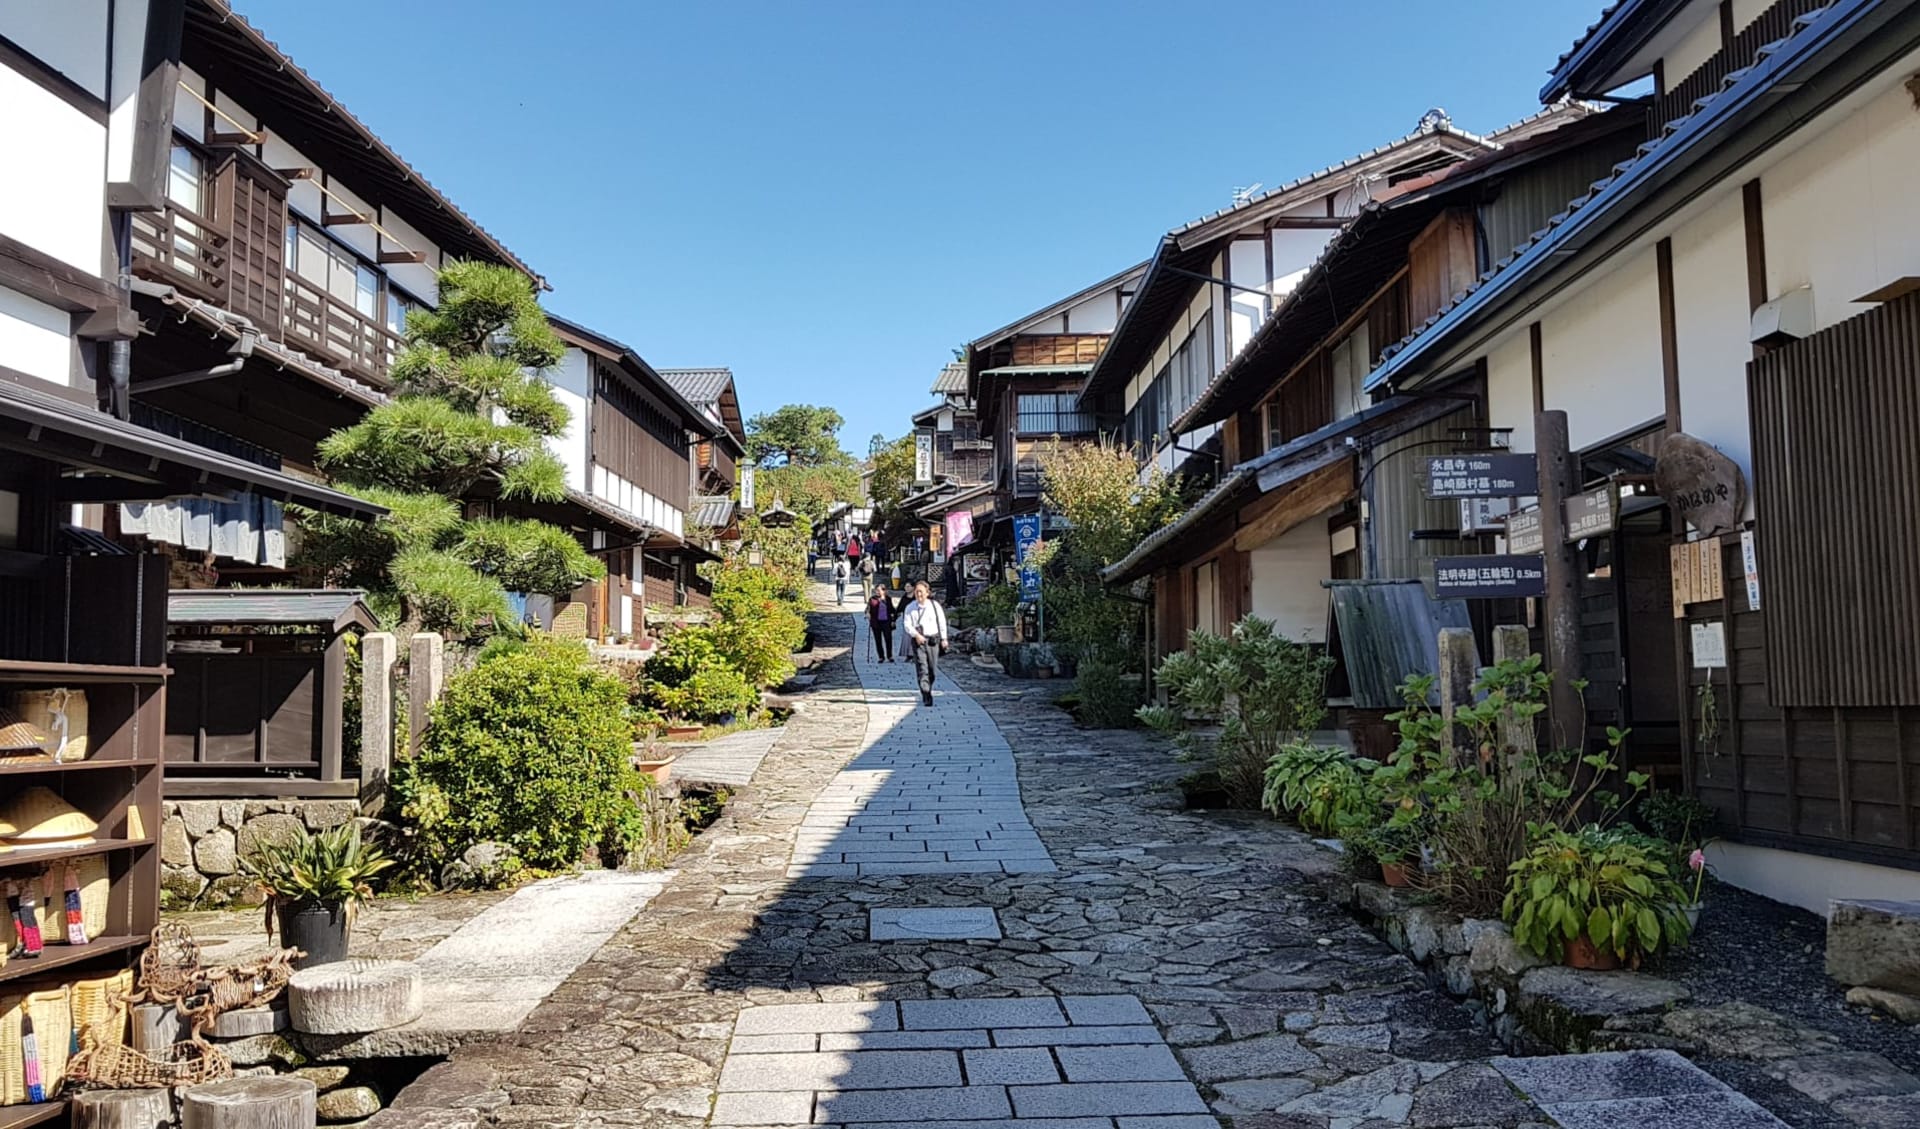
1242, 195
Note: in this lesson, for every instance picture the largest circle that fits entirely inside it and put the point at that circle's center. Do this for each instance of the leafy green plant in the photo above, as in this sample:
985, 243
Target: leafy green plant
758, 620
1327, 789
691, 679
1108, 698
333, 868
1265, 691
531, 749
1680, 819
1607, 888
1394, 841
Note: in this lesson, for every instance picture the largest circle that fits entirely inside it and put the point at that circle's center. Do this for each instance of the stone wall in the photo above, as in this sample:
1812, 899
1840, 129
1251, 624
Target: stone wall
203, 841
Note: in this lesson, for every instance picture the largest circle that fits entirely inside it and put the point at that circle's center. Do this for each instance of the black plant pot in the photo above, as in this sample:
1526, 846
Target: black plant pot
318, 928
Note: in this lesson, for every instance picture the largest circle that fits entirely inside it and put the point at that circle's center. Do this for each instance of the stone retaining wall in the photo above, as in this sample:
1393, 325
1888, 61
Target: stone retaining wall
203, 841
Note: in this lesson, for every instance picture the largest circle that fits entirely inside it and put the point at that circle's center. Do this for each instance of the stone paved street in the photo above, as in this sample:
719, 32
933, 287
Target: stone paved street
1157, 969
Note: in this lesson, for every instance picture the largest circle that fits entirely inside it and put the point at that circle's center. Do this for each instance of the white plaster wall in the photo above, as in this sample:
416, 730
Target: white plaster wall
1602, 353
1808, 881
1746, 11
1510, 387
35, 337
235, 111
68, 35
1246, 266
1286, 573
1839, 210
572, 381
1712, 326
303, 196
129, 43
61, 207
1294, 250
417, 279
358, 236
1698, 45
189, 116
1095, 315
1055, 324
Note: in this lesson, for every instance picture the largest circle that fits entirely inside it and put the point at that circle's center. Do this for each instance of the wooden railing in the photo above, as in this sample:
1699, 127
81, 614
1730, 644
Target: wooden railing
180, 248
322, 325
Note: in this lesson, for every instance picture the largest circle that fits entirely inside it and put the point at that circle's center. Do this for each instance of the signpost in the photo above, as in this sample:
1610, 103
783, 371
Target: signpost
1524, 534
1482, 476
1495, 577
1592, 513
746, 488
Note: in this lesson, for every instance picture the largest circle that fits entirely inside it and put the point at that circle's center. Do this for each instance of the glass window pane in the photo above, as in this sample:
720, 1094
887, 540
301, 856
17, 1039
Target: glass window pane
366, 296
293, 245
184, 178
313, 259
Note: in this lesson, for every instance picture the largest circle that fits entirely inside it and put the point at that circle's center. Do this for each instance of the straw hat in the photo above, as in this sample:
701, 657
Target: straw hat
17, 732
36, 815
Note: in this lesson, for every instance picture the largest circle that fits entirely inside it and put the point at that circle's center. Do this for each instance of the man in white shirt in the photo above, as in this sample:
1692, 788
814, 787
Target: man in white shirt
925, 623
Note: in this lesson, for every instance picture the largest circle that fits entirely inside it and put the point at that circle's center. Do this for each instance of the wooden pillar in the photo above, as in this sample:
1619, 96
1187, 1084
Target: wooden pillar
157, 1027
280, 1102
122, 1109
377, 653
425, 669
1566, 713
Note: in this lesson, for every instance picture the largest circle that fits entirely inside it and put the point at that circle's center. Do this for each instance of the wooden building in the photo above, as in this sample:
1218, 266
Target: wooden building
1726, 319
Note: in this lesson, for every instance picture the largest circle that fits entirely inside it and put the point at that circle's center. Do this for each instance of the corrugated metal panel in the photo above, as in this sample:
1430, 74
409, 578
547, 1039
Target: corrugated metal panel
1388, 631
1838, 510
262, 605
1535, 194
1397, 499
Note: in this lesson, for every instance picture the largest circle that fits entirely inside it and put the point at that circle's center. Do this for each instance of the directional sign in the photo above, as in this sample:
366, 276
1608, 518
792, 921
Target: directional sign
1490, 577
1524, 534
1591, 513
1482, 476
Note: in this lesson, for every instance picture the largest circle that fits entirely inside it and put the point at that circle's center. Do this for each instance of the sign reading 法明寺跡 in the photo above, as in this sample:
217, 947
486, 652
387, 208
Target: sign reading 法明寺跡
1482, 476
1489, 577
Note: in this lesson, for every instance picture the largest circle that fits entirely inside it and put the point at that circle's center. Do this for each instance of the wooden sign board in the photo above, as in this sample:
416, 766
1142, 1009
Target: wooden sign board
1524, 532
1489, 577
1696, 574
1482, 476
1591, 513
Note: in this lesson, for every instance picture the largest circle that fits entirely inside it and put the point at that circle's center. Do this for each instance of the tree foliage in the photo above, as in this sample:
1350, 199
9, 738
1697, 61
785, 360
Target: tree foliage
796, 435
808, 490
892, 466
470, 416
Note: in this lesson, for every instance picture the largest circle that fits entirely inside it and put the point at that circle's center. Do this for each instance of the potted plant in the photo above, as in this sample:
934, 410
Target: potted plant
315, 884
1395, 845
648, 758
1594, 899
1696, 862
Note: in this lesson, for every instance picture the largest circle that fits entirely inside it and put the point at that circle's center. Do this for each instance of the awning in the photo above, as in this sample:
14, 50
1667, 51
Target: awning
714, 511
151, 465
1037, 370
1389, 629
335, 608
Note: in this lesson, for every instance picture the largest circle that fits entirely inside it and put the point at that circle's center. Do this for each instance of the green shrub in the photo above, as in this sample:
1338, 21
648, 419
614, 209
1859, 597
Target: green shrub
757, 624
1611, 889
531, 749
992, 608
1327, 789
1108, 698
1678, 818
692, 679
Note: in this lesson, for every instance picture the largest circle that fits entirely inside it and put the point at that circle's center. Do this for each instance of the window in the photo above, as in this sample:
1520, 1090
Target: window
328, 266
1051, 413
186, 178
398, 307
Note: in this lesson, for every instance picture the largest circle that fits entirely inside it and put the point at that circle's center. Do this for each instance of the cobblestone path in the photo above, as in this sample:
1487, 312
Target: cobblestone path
1172, 968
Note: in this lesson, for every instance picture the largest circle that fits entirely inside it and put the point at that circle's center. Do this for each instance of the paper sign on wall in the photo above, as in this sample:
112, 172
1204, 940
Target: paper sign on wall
1710, 645
1750, 562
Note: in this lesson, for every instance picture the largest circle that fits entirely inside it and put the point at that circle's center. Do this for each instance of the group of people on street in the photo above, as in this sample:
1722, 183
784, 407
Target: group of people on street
922, 624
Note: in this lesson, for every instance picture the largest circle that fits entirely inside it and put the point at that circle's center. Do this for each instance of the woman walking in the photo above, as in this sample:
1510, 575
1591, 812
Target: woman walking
925, 623
880, 619
840, 573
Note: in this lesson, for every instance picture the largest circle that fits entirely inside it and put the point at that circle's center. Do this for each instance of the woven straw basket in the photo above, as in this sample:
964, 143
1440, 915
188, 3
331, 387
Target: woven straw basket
95, 886
100, 1008
52, 1032
36, 815
47, 709
20, 739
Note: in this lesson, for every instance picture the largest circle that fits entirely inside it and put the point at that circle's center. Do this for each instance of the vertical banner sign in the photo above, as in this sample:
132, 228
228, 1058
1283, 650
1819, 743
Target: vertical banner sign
1750, 562
923, 458
746, 488
1026, 538
959, 530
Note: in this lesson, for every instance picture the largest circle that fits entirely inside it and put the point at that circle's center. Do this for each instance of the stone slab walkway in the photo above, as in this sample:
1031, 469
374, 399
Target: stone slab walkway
730, 760
1174, 969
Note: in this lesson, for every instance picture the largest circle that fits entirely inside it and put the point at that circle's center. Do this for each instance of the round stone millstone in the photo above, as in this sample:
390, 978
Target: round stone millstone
354, 996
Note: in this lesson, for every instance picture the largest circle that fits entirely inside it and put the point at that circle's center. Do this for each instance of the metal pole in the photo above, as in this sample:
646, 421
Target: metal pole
1043, 581
1568, 710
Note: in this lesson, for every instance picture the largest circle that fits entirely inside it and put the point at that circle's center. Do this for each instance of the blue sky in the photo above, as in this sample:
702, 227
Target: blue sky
831, 196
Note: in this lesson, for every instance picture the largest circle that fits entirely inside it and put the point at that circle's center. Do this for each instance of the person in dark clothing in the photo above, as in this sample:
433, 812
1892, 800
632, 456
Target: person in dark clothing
881, 618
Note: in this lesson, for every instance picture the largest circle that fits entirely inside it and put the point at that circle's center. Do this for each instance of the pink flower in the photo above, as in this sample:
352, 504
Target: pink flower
1697, 860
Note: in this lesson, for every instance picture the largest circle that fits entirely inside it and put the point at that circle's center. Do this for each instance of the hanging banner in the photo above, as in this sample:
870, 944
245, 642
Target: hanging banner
746, 488
923, 458
1490, 577
959, 530
1482, 476
1750, 563
1026, 539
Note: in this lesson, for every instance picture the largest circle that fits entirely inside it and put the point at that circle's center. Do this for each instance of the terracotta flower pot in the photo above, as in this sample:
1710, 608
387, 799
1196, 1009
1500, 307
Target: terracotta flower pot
1582, 953
661, 770
682, 732
1396, 874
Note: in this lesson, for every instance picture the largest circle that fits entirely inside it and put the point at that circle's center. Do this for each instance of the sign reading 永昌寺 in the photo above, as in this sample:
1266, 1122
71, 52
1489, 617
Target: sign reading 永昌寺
1591, 513
1524, 532
1490, 577
1482, 476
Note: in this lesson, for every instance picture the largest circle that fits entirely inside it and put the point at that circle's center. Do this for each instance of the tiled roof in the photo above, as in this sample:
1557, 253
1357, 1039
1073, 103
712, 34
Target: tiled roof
700, 385
1601, 191
712, 511
952, 379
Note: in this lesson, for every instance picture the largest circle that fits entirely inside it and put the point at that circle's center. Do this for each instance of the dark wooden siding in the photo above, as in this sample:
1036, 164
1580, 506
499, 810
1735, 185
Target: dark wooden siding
245, 712
250, 200
1774, 24
1836, 465
637, 438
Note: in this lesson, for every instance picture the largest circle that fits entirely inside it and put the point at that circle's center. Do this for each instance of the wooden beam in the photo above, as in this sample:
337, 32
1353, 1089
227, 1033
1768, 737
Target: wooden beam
304, 172
1313, 493
401, 257
1669, 332
1538, 356
343, 219
1295, 223
41, 276
238, 138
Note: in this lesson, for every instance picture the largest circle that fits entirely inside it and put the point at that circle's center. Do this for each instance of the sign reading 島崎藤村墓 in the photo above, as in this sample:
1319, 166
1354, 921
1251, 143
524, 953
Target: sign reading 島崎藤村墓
1489, 577
1482, 476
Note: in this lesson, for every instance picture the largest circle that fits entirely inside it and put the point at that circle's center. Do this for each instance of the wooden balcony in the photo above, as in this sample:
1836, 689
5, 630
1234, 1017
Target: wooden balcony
332, 331
183, 249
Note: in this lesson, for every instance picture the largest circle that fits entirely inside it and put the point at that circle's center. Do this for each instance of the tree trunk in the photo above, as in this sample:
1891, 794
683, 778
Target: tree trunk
282, 1102
157, 1027
122, 1109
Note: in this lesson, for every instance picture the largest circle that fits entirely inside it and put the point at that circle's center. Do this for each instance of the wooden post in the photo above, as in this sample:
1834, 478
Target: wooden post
425, 656
1458, 667
281, 1102
377, 653
122, 1109
1566, 711
157, 1027
1518, 743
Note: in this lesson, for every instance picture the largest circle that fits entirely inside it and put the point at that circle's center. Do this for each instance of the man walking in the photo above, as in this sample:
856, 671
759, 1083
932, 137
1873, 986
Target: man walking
925, 623
840, 581
867, 572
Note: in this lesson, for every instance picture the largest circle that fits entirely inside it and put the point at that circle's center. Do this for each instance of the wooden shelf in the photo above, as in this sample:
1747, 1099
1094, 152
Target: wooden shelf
18, 768
54, 674
37, 856
21, 1116
60, 956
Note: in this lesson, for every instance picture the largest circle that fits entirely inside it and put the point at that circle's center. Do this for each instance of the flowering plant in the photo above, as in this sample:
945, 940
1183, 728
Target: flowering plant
1697, 862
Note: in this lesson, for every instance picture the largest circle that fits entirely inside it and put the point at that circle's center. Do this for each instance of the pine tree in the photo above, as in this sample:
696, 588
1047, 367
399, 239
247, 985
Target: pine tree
468, 419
